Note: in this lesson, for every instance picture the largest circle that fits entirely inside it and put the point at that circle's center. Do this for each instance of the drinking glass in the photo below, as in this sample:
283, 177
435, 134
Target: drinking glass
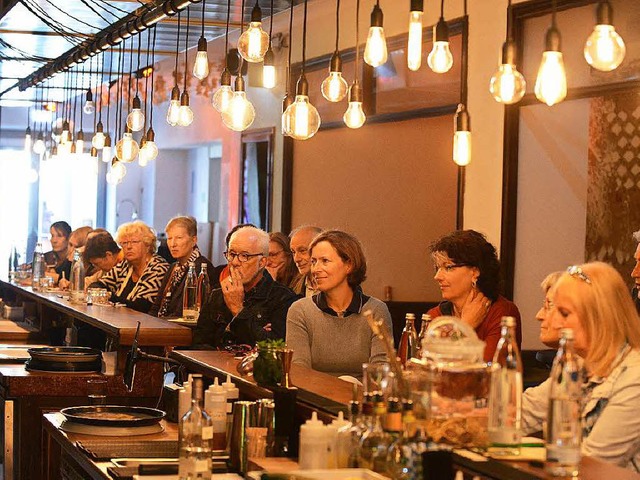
97, 391
377, 379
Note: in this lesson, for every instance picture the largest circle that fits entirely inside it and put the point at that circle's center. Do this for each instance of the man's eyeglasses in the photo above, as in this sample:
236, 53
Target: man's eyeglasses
130, 242
577, 272
242, 257
449, 268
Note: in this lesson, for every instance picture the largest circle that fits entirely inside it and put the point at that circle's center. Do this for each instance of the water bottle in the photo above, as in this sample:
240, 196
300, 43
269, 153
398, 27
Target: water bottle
505, 397
195, 437
564, 430
203, 286
190, 296
408, 347
37, 267
76, 279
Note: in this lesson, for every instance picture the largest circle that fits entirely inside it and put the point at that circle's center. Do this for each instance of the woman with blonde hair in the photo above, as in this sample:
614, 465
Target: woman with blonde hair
593, 300
136, 280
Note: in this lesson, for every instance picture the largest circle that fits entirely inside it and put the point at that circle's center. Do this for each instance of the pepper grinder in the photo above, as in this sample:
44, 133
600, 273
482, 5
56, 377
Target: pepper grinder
286, 356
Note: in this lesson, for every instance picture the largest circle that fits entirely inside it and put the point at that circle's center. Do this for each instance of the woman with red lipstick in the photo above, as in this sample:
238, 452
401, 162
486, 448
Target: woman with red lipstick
467, 271
182, 242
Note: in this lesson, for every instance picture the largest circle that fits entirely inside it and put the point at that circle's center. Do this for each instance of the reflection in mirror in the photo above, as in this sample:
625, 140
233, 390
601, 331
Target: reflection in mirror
256, 178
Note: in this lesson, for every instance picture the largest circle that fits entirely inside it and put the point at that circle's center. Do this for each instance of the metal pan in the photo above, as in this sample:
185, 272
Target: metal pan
65, 354
113, 415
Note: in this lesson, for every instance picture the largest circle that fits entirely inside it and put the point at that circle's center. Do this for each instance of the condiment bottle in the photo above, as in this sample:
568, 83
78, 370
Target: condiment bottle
215, 403
338, 435
313, 444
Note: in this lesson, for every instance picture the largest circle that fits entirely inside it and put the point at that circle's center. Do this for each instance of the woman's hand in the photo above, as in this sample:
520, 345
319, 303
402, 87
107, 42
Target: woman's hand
475, 308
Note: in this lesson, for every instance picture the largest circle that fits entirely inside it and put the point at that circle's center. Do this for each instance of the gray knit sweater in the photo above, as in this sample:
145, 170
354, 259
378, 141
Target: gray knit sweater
335, 345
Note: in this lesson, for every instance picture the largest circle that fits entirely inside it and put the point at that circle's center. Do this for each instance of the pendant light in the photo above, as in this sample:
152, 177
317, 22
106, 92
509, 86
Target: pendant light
508, 85
440, 59
302, 117
551, 82
254, 41
97, 141
28, 143
334, 87
222, 97
287, 100
106, 147
126, 148
414, 45
604, 49
185, 114
461, 119
89, 106
174, 103
354, 117
269, 65
38, 145
375, 50
135, 118
149, 151
201, 65
79, 139
117, 172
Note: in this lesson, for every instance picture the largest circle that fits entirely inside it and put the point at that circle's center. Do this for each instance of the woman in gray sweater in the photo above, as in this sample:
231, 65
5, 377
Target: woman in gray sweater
328, 331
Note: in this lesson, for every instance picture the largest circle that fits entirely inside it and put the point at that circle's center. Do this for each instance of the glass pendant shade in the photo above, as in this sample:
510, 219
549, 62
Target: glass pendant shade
127, 148
508, 85
185, 114
106, 149
334, 88
240, 114
462, 137
285, 126
89, 106
201, 65
150, 147
98, 140
269, 70
135, 119
80, 143
604, 50
354, 117
174, 107
414, 45
254, 41
302, 117
39, 146
440, 59
222, 98
27, 140
551, 82
375, 50
64, 136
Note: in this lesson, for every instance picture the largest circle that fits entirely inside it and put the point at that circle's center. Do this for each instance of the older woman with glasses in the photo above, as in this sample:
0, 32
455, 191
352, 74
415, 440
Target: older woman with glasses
593, 300
136, 280
182, 240
280, 264
467, 271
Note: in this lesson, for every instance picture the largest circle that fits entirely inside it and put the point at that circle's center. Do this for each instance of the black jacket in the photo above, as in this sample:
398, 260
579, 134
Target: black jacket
267, 303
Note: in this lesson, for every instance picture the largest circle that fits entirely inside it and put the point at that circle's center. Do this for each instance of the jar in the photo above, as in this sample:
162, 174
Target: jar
267, 368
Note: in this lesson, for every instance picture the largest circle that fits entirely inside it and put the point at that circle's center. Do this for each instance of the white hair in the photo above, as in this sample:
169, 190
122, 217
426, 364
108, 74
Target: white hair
261, 236
636, 236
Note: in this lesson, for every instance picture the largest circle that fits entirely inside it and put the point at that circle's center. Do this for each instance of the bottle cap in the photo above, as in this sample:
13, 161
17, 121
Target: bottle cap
340, 421
232, 390
411, 316
216, 388
313, 425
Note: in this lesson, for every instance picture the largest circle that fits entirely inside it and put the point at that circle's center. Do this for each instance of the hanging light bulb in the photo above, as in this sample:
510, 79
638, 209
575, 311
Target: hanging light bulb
375, 51
98, 138
117, 172
254, 41
106, 149
462, 136
201, 65
54, 152
240, 114
354, 117
72, 148
285, 124
551, 82
224, 94
302, 117
127, 148
174, 107
94, 152
507, 84
334, 88
135, 119
269, 70
604, 49
80, 143
440, 59
89, 106
414, 45
27, 140
38, 145
64, 136
150, 149
185, 114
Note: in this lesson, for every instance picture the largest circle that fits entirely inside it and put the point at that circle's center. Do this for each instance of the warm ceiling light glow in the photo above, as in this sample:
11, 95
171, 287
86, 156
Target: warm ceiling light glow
174, 107
507, 85
269, 70
201, 65
224, 94
185, 114
551, 82
334, 88
127, 148
462, 137
98, 138
89, 106
302, 117
375, 51
240, 114
135, 119
604, 49
354, 117
254, 41
440, 59
414, 45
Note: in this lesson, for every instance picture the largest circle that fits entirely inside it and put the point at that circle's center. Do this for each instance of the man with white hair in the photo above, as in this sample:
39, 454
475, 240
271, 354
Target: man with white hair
300, 239
250, 306
635, 273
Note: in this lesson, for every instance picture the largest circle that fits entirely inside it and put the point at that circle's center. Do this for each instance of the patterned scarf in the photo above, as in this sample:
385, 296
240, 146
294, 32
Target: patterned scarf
177, 274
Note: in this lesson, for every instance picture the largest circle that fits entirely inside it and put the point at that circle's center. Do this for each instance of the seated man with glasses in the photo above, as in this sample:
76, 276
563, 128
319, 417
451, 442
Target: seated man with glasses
250, 306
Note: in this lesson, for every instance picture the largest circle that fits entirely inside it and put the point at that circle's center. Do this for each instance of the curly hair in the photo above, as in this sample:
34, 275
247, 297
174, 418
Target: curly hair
471, 248
141, 229
350, 251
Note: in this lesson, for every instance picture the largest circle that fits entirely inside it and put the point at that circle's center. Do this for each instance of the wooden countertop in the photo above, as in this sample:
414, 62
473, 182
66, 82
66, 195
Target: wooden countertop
118, 322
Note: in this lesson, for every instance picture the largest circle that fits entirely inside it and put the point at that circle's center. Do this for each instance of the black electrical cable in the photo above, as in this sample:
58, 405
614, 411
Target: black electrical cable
186, 49
153, 73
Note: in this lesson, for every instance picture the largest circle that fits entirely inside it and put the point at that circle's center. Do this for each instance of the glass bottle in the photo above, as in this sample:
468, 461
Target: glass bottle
426, 321
375, 442
76, 279
37, 267
408, 347
404, 458
203, 286
195, 437
190, 296
505, 396
564, 431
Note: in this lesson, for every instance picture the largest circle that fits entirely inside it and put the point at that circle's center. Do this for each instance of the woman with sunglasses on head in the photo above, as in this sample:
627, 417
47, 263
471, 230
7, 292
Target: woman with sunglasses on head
136, 280
467, 270
593, 301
